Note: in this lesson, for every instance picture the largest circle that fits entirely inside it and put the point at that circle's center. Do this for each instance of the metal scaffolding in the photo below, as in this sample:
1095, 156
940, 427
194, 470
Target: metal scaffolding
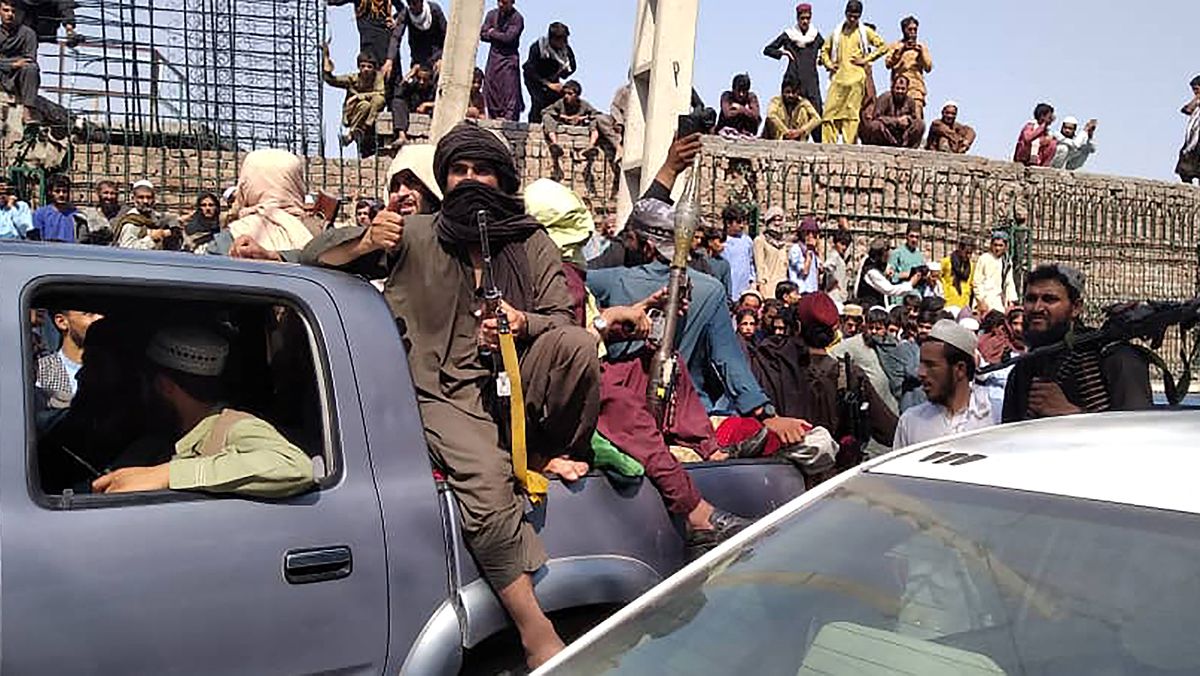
176, 89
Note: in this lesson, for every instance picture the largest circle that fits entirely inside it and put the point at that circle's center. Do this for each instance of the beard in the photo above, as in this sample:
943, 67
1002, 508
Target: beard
941, 393
1051, 335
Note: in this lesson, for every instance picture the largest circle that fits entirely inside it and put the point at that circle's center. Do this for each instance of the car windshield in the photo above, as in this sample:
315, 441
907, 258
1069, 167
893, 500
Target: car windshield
891, 575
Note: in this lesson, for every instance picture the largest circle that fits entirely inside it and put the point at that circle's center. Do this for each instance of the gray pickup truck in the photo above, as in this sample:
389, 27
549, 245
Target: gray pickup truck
366, 573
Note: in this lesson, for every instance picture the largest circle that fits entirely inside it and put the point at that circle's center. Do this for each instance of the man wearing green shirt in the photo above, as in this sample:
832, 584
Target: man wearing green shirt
905, 258
222, 451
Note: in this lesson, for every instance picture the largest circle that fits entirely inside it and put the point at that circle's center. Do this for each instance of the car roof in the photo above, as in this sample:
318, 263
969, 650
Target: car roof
1148, 459
211, 264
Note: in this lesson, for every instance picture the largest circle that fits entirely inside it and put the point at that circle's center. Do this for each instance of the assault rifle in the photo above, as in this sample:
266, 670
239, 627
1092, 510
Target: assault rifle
1148, 321
664, 367
507, 371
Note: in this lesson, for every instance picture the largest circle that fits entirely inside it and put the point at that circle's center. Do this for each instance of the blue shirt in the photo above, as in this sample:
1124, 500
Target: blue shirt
739, 251
15, 223
55, 225
902, 261
810, 283
706, 338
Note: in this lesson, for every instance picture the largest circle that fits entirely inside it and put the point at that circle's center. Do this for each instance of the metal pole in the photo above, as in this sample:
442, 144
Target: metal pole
458, 67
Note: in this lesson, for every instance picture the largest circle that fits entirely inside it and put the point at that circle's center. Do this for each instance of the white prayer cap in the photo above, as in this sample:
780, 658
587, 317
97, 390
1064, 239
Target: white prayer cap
144, 183
1070, 122
950, 103
189, 350
948, 331
954, 310
969, 323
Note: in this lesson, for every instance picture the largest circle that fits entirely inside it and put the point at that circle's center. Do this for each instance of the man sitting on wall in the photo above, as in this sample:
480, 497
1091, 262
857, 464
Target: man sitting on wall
790, 117
897, 119
365, 96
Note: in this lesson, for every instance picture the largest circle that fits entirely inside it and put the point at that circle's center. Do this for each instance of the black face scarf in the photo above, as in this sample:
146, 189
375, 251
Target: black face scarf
198, 224
508, 227
457, 224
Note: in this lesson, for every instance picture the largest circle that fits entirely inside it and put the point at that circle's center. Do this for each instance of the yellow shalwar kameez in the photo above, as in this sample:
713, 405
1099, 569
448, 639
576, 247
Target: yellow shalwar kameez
848, 85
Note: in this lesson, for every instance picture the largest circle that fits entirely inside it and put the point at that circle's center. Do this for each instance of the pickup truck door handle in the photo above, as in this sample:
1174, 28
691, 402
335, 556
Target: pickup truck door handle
317, 565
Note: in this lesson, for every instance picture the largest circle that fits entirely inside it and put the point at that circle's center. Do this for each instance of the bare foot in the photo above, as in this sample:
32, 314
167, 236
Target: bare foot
569, 470
543, 654
698, 518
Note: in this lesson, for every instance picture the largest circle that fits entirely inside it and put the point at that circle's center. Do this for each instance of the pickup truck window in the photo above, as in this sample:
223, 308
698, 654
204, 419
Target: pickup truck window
99, 404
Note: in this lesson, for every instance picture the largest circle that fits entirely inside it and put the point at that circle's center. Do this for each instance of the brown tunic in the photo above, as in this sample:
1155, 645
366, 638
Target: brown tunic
432, 289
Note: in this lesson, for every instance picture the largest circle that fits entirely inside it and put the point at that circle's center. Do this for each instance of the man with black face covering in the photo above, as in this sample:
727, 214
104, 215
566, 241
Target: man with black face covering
1083, 380
444, 333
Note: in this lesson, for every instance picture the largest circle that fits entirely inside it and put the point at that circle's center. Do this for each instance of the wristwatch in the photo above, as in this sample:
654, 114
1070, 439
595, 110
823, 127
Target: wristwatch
766, 412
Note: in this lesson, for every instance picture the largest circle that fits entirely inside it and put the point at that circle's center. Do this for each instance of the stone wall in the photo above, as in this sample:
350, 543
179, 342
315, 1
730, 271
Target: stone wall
1135, 238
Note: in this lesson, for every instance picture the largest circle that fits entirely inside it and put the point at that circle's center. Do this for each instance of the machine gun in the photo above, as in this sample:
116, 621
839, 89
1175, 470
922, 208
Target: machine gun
507, 371
664, 367
1124, 322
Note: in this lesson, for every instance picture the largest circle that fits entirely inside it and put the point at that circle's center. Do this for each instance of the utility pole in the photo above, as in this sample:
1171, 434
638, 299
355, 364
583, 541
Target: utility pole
458, 67
664, 51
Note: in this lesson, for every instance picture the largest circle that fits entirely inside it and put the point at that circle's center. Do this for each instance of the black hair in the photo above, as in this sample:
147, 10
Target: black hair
1196, 81
929, 317
906, 21
733, 213
843, 237
992, 320
742, 314
58, 181
367, 57
896, 77
1051, 273
956, 356
478, 73
741, 82
897, 316
785, 287
933, 304
911, 300
1015, 312
712, 233
1041, 110
914, 227
205, 389
790, 83
854, 7
790, 322
878, 316
817, 336
574, 84
558, 29
103, 183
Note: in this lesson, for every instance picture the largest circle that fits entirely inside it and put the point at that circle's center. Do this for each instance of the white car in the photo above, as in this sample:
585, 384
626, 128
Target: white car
1064, 546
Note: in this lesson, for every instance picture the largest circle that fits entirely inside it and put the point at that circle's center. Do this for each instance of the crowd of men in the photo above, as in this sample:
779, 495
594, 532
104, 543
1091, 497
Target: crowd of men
851, 111
790, 344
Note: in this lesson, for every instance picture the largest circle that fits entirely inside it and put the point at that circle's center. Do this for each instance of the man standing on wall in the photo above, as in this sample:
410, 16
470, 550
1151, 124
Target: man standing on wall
551, 61
846, 56
801, 44
502, 29
911, 59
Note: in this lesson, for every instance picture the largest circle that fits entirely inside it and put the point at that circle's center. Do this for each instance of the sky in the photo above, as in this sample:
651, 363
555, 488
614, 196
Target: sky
1126, 65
